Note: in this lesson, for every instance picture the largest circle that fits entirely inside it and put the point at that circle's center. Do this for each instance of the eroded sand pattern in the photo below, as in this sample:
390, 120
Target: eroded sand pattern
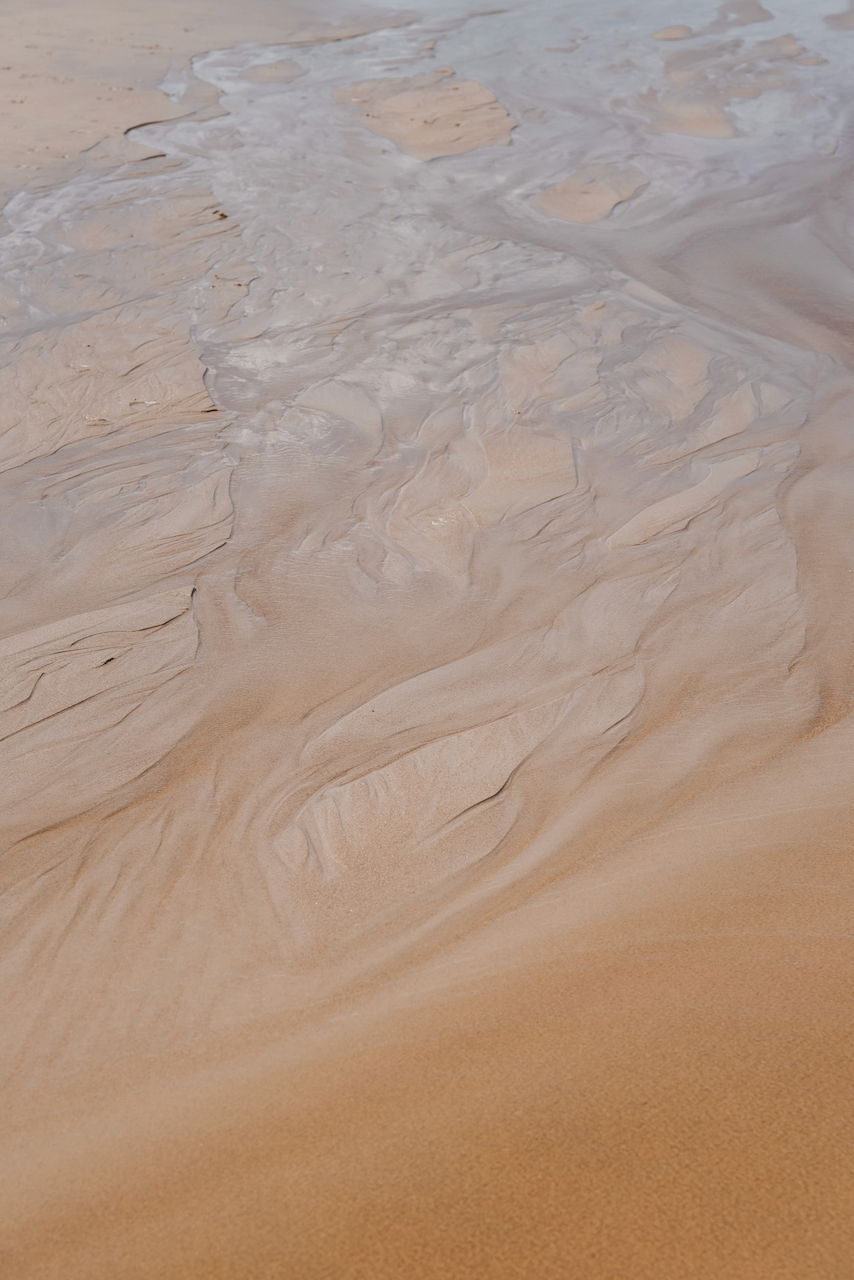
426, 659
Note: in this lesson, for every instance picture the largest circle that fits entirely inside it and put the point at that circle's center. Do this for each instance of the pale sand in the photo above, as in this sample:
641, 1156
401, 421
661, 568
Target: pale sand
432, 115
426, 698
591, 194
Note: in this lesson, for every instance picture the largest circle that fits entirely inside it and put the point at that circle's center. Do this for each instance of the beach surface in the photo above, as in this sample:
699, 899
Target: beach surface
426, 641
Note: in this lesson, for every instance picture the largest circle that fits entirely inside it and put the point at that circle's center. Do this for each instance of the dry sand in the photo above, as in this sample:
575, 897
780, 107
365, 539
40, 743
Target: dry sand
591, 194
426, 641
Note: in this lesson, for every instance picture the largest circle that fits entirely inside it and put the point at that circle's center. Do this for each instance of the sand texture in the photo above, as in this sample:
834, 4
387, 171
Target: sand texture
427, 644
432, 115
591, 194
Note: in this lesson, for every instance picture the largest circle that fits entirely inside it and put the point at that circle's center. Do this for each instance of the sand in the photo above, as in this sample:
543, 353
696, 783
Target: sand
76, 76
590, 194
432, 115
426, 711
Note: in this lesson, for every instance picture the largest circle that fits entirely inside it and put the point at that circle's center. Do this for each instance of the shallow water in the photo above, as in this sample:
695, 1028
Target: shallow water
421, 569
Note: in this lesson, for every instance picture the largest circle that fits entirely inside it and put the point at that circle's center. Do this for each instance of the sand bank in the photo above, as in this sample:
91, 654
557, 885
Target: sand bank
425, 650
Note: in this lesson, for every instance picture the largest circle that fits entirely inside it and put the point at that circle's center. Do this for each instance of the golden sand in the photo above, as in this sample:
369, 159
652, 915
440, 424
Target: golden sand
426, 709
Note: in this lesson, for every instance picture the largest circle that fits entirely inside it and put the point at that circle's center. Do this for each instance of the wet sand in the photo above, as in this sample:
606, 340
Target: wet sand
426, 644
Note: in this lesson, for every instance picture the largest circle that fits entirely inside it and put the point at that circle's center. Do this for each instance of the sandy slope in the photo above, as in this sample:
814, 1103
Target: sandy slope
426, 649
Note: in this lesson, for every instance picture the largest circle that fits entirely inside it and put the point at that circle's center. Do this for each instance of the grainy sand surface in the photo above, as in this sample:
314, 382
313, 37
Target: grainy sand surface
427, 641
